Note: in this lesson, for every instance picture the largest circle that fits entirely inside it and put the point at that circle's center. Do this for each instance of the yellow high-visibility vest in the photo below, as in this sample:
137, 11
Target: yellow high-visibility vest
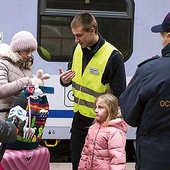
87, 86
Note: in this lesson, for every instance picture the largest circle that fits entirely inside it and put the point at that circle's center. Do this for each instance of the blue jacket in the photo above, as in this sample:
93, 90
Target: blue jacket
145, 104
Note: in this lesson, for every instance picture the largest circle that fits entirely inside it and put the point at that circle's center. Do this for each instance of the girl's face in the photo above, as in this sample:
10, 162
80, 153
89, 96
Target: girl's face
26, 54
100, 111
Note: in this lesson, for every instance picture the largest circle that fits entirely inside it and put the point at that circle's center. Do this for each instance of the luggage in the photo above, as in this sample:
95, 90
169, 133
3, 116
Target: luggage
33, 159
1, 167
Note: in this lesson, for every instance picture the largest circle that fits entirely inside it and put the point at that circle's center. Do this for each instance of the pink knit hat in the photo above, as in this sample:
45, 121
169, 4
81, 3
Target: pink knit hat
23, 40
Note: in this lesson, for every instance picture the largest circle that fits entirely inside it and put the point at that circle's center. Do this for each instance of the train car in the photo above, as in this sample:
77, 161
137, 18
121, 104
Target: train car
124, 23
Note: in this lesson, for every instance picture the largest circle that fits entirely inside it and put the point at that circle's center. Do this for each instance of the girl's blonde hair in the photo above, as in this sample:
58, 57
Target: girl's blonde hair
110, 102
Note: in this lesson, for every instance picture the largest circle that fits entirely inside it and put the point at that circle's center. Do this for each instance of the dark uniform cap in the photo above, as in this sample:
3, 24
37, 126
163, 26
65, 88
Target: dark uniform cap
164, 27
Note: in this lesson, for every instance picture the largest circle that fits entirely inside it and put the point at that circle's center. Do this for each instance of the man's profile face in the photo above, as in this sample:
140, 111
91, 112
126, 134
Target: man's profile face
82, 37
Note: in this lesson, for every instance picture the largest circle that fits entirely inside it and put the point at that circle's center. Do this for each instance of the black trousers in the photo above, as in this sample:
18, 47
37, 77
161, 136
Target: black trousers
79, 130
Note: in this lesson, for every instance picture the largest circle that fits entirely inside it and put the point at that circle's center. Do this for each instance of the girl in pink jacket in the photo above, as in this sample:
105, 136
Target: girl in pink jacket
104, 147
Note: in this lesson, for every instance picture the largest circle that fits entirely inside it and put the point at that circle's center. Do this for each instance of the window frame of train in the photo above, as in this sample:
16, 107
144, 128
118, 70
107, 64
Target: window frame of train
55, 39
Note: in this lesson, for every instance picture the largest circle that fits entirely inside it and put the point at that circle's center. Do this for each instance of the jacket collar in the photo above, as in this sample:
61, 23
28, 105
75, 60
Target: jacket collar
7, 54
166, 51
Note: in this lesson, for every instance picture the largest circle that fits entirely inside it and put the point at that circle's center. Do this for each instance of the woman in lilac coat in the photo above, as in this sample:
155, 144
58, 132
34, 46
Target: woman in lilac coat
104, 146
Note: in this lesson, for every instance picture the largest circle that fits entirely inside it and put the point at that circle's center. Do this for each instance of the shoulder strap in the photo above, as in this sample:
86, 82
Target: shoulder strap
149, 59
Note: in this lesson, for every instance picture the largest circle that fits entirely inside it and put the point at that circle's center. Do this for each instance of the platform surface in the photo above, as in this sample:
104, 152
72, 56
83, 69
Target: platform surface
67, 166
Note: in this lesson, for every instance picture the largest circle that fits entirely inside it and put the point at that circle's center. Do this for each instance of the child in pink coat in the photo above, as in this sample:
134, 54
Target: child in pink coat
104, 147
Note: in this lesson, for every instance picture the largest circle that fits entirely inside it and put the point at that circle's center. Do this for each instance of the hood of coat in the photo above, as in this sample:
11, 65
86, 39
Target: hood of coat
119, 123
7, 54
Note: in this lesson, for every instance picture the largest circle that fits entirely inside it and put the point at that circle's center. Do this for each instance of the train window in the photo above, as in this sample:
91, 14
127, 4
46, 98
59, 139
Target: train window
55, 39
98, 5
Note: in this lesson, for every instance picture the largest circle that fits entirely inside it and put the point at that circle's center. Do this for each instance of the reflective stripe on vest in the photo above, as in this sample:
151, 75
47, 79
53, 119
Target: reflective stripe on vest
87, 87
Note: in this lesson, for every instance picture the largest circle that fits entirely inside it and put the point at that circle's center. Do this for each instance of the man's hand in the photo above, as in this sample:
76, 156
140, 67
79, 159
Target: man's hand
66, 76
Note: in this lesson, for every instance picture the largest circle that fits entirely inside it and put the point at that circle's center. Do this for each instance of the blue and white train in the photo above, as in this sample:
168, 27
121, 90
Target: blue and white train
124, 23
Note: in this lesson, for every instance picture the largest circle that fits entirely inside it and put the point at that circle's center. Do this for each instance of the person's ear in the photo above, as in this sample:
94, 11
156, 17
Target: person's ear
168, 35
92, 31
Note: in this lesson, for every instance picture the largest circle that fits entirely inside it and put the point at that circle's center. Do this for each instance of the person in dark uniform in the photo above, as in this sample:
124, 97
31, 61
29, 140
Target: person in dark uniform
96, 68
8, 132
145, 104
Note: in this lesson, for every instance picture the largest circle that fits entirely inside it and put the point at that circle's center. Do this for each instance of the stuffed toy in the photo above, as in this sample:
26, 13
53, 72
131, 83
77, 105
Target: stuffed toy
39, 80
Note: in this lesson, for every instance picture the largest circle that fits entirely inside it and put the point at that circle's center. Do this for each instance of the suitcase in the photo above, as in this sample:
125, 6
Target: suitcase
33, 159
1, 167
